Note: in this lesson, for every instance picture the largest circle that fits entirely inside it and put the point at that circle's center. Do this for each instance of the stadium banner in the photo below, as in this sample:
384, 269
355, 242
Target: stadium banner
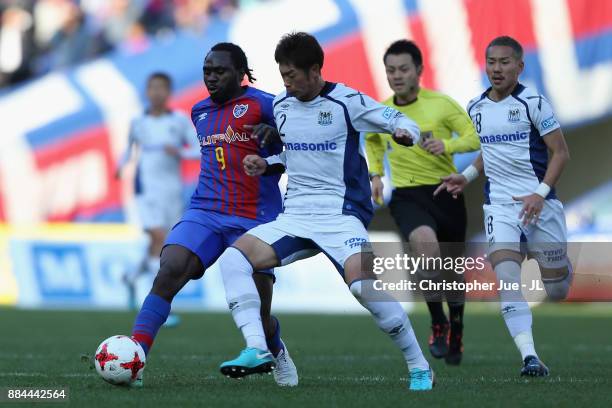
8, 282
57, 162
82, 266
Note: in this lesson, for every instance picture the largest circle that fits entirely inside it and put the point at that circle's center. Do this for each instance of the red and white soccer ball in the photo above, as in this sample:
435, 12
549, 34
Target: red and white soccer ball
120, 360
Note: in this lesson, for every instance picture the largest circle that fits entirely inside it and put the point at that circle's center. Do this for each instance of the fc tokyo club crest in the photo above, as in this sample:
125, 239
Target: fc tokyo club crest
240, 110
514, 114
325, 118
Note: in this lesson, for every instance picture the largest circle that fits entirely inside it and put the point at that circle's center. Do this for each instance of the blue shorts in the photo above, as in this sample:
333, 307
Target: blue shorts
208, 233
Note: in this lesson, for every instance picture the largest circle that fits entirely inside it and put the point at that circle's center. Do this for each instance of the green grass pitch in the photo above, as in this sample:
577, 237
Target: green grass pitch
343, 361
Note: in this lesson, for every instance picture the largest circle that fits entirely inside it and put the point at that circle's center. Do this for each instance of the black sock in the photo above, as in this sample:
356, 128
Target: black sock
437, 313
456, 316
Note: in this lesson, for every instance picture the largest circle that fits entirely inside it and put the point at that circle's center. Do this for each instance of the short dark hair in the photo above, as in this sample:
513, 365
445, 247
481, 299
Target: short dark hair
238, 57
506, 41
299, 49
162, 76
405, 47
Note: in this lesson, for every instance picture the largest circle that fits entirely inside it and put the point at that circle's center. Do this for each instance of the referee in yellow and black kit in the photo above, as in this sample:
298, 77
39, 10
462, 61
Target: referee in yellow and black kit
423, 220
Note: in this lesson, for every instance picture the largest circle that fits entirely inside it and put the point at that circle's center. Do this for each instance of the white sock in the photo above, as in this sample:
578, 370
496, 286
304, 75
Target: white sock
153, 264
524, 342
515, 310
391, 319
242, 296
558, 288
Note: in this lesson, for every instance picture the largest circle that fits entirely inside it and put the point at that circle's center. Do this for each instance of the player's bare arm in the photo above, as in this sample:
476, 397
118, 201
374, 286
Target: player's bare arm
377, 189
555, 141
533, 203
127, 157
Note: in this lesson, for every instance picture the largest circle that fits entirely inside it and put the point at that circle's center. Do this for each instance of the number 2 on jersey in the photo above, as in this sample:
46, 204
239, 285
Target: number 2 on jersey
220, 157
283, 118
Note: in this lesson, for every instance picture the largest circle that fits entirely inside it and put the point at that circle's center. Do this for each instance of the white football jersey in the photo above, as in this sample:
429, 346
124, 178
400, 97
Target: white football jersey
158, 172
326, 168
511, 135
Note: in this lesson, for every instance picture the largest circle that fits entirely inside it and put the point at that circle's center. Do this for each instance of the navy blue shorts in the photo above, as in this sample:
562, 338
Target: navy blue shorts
208, 233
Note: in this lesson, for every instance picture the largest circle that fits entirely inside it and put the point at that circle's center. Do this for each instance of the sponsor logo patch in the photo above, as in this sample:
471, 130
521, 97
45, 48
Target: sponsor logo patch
388, 113
512, 137
314, 147
549, 122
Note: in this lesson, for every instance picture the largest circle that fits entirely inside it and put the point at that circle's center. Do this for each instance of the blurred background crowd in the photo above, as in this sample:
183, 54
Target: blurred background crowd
39, 36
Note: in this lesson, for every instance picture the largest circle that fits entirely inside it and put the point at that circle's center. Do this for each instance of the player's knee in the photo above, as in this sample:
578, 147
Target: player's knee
423, 240
556, 289
557, 282
358, 267
177, 267
557, 292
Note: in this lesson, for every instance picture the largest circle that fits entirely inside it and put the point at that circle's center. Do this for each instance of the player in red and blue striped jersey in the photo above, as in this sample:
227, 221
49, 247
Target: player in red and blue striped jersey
225, 139
233, 122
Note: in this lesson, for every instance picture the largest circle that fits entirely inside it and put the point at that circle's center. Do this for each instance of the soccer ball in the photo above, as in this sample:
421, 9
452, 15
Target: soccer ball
120, 360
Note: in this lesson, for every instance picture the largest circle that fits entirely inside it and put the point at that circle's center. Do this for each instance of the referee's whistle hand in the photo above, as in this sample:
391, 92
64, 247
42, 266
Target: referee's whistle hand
434, 146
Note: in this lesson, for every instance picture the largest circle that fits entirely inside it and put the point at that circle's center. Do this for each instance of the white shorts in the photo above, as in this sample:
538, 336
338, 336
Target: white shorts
545, 241
294, 237
159, 212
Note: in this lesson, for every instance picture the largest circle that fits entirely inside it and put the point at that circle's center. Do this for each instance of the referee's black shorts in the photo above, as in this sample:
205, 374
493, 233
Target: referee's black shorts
412, 207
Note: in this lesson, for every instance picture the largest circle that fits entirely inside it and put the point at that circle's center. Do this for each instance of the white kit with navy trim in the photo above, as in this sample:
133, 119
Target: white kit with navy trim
511, 135
515, 160
326, 168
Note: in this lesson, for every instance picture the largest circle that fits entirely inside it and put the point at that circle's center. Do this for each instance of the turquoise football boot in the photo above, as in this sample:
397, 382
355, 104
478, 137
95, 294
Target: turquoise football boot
250, 361
421, 380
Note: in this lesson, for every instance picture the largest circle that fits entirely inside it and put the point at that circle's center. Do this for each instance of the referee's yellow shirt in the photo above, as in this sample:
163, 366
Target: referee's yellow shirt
414, 166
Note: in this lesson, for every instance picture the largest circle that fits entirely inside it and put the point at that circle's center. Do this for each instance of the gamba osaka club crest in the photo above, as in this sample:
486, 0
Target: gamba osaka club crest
240, 110
325, 118
514, 114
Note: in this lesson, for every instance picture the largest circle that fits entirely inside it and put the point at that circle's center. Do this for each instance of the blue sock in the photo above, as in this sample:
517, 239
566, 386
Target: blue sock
275, 345
152, 315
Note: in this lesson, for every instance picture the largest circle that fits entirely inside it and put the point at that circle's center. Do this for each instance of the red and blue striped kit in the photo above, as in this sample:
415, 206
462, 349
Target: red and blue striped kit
223, 186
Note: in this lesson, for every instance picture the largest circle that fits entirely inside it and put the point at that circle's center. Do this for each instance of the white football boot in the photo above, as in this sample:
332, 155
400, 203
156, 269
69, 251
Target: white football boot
285, 372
